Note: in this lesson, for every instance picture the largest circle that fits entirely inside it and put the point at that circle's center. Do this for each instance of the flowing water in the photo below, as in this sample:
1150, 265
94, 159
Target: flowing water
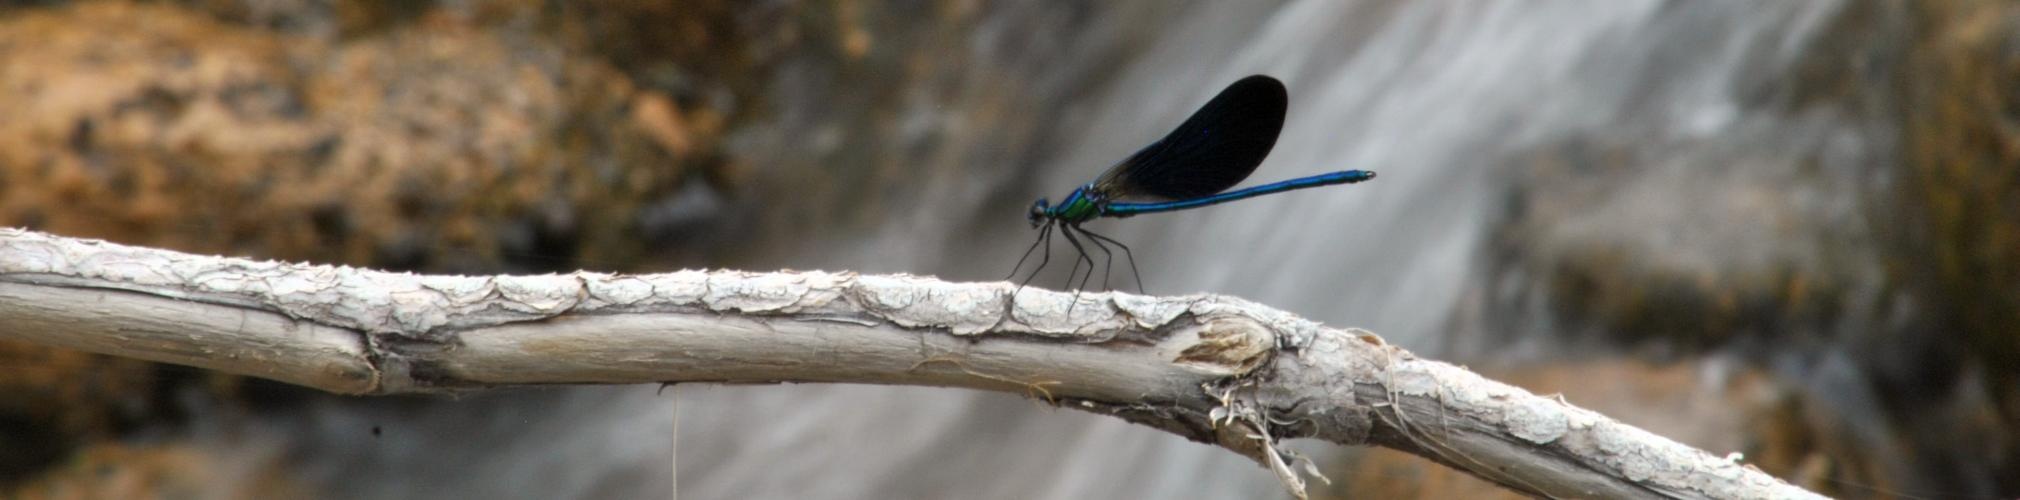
1447, 100
1441, 98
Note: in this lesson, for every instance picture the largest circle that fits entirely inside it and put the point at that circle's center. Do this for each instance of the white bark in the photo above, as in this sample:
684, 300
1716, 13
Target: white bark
1210, 368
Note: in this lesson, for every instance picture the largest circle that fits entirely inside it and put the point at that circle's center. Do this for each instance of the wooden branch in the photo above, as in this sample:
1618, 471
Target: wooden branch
1213, 369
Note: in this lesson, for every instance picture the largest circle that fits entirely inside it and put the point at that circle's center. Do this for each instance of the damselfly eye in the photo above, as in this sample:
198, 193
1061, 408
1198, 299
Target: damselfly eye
1038, 208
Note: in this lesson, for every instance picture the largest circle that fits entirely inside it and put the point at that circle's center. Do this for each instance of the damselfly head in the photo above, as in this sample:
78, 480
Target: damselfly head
1038, 209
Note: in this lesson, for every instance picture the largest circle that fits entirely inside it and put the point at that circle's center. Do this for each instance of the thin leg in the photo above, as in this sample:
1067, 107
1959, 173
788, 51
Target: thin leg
1107, 256
1073, 272
1125, 253
1068, 233
1044, 232
1044, 239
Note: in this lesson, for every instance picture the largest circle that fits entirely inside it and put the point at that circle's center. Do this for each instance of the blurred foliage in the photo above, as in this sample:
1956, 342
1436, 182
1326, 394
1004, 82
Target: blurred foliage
458, 137
393, 135
1962, 181
1677, 243
1898, 318
1960, 224
437, 146
116, 470
54, 398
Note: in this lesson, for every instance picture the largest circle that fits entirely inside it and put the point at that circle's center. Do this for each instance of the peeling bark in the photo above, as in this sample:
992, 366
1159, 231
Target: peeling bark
1213, 369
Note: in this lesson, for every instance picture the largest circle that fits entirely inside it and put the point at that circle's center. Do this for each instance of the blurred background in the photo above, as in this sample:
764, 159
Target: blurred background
1785, 229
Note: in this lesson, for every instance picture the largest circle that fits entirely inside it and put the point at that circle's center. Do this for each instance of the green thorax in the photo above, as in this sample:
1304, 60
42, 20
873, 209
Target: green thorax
1080, 206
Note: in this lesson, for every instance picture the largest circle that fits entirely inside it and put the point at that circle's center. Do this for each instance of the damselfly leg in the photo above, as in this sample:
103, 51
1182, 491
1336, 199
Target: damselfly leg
1067, 231
1045, 240
1126, 254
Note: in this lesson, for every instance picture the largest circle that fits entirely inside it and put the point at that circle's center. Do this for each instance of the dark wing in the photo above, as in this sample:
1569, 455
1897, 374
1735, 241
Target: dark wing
1216, 148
